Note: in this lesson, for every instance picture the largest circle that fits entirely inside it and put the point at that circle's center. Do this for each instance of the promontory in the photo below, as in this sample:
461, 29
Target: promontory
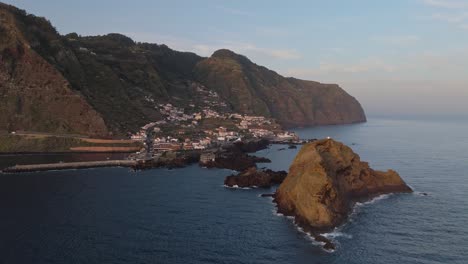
324, 182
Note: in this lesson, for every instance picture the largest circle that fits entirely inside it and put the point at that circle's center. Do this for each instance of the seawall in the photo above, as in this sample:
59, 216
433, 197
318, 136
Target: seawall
70, 165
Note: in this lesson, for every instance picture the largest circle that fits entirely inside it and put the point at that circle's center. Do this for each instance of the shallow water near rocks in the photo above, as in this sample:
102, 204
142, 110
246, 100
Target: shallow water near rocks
114, 215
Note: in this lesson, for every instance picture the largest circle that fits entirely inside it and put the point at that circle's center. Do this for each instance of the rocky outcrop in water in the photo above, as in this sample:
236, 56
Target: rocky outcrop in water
235, 161
249, 146
325, 180
255, 178
235, 157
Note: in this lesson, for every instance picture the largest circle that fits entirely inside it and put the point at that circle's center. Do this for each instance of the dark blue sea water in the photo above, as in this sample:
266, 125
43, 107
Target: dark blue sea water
113, 215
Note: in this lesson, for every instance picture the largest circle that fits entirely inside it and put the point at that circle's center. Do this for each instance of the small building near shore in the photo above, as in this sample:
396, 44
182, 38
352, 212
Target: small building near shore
167, 147
207, 157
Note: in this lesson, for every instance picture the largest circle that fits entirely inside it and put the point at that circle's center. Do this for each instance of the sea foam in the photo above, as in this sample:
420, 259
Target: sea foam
374, 200
336, 233
310, 237
239, 188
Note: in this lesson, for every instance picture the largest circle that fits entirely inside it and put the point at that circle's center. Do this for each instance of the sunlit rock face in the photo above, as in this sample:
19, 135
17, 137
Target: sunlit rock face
325, 180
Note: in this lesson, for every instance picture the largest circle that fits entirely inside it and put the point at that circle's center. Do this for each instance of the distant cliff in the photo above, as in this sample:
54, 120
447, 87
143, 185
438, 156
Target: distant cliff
325, 180
109, 84
254, 89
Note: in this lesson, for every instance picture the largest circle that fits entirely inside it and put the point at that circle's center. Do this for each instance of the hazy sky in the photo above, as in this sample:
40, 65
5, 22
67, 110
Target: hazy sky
405, 57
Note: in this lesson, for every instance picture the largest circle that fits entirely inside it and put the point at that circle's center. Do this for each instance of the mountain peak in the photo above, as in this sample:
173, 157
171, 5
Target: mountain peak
222, 53
229, 54
124, 40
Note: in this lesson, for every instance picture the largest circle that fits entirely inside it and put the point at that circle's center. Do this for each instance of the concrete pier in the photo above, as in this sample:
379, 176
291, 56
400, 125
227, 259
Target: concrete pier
70, 165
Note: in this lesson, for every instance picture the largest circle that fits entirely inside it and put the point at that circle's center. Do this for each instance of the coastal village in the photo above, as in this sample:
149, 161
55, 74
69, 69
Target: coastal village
129, 112
205, 128
181, 131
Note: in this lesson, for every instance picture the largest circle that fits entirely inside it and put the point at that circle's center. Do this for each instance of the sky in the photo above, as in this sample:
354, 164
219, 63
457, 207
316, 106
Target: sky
398, 57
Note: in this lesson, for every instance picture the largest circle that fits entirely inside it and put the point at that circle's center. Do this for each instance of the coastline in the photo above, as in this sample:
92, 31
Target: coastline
237, 152
69, 165
61, 152
230, 153
320, 234
323, 237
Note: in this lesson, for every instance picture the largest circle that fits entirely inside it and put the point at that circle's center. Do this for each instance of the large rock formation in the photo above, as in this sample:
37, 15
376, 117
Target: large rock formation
112, 83
325, 180
255, 178
253, 89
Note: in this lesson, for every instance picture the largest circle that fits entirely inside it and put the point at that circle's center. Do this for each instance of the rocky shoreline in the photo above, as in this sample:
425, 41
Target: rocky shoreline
240, 162
325, 181
255, 178
234, 157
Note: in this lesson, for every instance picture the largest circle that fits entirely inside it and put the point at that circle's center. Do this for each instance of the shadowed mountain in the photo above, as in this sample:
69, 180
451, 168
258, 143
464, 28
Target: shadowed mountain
34, 95
98, 85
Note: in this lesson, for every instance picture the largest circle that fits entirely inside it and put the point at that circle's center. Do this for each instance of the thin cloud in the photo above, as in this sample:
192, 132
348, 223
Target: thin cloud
206, 49
281, 54
455, 12
448, 4
335, 50
451, 18
274, 31
332, 68
425, 65
236, 12
397, 40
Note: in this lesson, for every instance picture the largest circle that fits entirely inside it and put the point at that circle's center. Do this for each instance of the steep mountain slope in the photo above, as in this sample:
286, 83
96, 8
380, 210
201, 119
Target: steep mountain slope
34, 95
121, 78
96, 84
254, 89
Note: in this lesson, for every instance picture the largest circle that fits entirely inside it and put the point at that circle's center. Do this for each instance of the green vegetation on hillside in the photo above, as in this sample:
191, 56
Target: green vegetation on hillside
256, 90
112, 83
15, 143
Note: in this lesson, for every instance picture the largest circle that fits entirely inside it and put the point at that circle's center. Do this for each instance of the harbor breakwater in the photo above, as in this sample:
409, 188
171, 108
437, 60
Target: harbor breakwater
70, 165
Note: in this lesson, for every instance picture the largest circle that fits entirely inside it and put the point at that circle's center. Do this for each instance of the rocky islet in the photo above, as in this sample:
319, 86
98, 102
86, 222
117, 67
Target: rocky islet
325, 181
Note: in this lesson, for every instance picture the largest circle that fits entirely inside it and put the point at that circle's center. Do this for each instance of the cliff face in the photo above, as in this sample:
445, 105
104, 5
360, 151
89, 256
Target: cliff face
113, 84
325, 180
34, 95
254, 89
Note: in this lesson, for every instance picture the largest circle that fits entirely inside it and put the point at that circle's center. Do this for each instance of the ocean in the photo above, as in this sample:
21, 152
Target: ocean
115, 215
